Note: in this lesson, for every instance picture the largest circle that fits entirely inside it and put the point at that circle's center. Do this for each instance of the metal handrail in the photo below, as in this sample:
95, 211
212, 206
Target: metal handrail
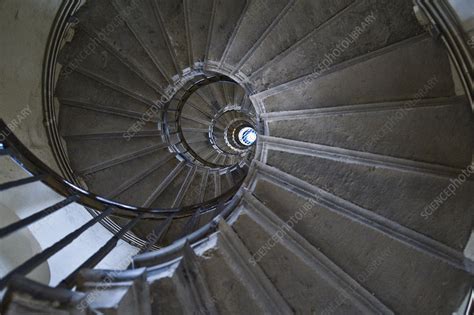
56, 40
179, 108
11, 146
45, 174
470, 304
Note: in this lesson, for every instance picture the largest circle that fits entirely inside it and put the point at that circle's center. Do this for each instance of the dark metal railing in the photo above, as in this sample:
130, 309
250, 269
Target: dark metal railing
4, 232
62, 24
95, 259
34, 262
11, 146
41, 172
177, 109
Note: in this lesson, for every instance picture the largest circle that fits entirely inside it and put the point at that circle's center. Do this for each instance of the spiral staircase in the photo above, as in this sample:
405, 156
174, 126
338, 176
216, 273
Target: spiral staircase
286, 156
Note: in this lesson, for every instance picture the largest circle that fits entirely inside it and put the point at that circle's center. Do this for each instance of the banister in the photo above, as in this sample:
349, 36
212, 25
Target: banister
42, 172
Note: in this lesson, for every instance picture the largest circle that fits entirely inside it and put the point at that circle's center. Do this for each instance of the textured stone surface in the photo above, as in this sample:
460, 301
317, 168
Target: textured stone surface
28, 297
392, 22
399, 132
75, 86
116, 292
228, 289
104, 17
164, 296
193, 194
199, 19
25, 27
397, 74
105, 65
169, 194
407, 281
77, 121
100, 151
259, 16
305, 289
146, 26
301, 19
139, 192
174, 22
161, 38
226, 16
397, 195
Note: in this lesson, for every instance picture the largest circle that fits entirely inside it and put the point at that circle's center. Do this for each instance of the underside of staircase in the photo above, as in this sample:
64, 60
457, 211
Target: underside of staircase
328, 143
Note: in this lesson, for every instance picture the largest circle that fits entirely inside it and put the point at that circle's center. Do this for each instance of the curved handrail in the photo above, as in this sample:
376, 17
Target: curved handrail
470, 304
167, 255
57, 35
203, 82
36, 167
11, 146
58, 32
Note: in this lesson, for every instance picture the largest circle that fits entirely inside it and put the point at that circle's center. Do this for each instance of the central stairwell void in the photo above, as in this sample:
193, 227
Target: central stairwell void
260, 156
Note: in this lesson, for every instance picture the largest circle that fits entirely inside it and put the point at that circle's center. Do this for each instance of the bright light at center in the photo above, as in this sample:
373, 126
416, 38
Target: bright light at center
247, 136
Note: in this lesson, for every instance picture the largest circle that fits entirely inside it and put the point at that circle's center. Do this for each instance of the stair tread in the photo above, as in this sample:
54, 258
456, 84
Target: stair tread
225, 18
147, 29
310, 285
257, 19
172, 14
397, 195
110, 19
300, 20
382, 23
381, 264
199, 14
106, 67
426, 77
400, 132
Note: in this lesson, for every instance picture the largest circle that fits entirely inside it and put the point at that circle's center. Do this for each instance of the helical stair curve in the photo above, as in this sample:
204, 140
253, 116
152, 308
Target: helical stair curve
316, 136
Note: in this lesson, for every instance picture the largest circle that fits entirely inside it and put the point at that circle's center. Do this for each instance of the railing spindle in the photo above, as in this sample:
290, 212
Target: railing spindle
38, 259
99, 255
36, 216
21, 182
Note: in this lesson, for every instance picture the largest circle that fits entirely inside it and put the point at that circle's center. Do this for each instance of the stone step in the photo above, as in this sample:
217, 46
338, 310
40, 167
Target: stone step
226, 16
193, 291
168, 196
146, 26
87, 153
106, 21
106, 68
164, 291
199, 17
381, 23
25, 296
301, 19
75, 120
412, 197
234, 284
402, 274
174, 23
422, 63
311, 283
397, 129
77, 87
116, 291
258, 17
193, 195
137, 180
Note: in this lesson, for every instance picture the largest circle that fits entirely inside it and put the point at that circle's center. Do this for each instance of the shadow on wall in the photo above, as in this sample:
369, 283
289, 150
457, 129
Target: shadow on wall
18, 248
